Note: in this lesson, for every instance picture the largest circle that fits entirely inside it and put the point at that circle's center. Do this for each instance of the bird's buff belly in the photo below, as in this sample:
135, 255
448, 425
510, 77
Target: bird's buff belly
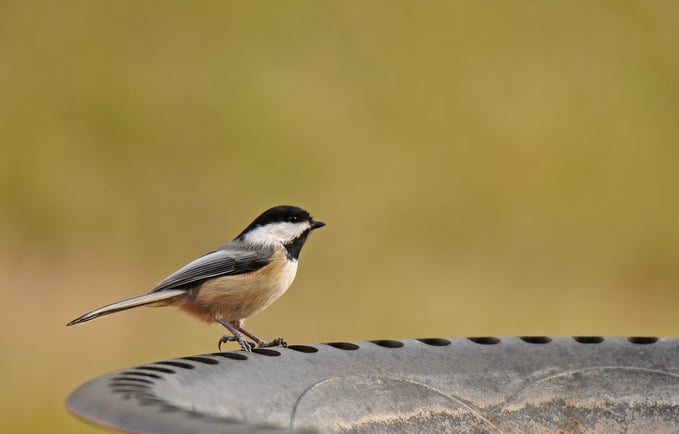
234, 298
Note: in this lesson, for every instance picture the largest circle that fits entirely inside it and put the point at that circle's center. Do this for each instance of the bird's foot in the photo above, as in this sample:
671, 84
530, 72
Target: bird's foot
245, 345
278, 342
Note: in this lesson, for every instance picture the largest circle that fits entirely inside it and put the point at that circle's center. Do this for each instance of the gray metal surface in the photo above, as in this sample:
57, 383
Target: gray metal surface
429, 385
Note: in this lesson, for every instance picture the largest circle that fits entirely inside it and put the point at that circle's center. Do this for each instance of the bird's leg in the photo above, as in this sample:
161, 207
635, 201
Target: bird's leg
278, 342
245, 345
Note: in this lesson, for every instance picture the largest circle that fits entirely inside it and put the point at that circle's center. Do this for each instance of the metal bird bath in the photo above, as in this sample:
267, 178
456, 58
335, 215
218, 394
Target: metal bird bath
493, 385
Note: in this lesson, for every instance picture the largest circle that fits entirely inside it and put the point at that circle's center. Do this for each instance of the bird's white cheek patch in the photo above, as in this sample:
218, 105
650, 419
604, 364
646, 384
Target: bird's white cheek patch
282, 232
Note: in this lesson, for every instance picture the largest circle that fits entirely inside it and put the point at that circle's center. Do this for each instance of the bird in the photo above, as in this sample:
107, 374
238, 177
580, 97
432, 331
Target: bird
235, 281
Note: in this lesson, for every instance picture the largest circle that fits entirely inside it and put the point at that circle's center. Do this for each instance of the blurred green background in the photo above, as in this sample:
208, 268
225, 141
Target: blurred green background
490, 168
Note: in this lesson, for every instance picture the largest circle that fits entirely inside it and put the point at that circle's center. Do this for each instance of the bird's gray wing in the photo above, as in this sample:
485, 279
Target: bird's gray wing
228, 260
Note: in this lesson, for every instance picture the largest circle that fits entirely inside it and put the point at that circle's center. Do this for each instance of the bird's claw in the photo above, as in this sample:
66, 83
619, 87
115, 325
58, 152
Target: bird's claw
278, 342
245, 345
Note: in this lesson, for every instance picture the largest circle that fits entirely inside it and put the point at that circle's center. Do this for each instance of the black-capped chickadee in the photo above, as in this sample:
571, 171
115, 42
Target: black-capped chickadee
237, 280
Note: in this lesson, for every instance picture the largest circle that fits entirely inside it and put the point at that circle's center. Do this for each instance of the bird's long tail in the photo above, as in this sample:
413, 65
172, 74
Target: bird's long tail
142, 300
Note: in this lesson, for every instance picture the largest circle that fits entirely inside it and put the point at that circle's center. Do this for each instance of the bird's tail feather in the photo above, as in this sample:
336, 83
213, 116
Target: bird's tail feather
142, 300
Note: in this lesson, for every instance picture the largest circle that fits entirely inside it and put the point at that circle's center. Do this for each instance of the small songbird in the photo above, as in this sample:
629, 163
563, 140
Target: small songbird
237, 280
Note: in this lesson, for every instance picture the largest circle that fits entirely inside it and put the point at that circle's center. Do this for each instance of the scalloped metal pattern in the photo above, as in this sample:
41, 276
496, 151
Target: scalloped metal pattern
485, 384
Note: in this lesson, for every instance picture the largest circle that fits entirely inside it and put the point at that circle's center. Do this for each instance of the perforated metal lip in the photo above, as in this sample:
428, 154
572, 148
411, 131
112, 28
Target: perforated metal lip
482, 384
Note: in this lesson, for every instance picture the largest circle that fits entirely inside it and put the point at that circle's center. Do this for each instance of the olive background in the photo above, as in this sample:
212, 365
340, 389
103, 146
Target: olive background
484, 168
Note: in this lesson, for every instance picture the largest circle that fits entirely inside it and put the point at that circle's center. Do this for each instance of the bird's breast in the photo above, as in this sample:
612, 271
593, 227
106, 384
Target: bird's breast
237, 297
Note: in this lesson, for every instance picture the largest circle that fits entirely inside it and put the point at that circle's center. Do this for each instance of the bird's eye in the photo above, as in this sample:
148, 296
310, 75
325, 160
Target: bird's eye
293, 219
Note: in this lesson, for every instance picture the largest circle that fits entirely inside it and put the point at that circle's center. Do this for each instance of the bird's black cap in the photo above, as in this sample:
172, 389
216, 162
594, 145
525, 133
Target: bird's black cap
280, 214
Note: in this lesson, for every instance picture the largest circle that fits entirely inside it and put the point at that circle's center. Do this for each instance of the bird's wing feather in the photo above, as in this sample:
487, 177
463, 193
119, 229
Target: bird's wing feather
228, 260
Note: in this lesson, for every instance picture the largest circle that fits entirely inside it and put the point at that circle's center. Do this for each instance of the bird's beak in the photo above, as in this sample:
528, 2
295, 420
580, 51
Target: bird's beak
315, 224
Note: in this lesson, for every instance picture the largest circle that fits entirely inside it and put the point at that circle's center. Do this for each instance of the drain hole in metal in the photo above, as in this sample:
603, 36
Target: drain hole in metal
127, 385
641, 340
588, 339
485, 340
343, 345
176, 364
536, 339
156, 369
118, 380
266, 352
199, 359
143, 374
303, 348
387, 343
232, 356
435, 342
127, 389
